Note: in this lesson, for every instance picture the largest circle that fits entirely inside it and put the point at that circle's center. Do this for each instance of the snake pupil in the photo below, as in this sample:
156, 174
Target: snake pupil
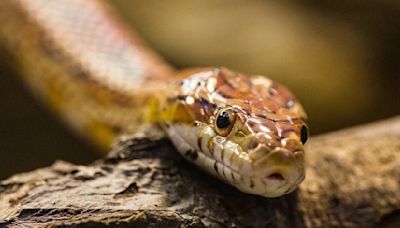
304, 134
223, 120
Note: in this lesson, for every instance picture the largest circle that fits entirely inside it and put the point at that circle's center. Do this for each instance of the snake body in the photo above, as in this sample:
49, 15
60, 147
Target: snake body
78, 57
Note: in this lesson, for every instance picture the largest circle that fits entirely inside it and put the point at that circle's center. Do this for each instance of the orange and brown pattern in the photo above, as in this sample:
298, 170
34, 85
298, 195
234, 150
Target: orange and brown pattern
259, 103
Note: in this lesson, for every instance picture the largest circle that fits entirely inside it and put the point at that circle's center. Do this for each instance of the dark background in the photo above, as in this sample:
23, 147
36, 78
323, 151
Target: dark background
341, 59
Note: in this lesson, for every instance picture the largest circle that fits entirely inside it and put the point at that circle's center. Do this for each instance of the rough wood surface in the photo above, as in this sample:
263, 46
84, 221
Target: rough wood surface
353, 179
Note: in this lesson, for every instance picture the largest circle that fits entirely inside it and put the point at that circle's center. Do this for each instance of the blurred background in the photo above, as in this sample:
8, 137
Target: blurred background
340, 58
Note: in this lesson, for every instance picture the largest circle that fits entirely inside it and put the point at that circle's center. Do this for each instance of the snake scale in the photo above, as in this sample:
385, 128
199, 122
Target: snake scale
80, 59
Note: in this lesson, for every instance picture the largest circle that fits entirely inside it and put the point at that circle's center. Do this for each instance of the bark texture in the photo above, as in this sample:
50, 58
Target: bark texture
353, 180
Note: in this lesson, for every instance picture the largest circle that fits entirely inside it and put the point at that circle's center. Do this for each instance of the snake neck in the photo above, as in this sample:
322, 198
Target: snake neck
78, 59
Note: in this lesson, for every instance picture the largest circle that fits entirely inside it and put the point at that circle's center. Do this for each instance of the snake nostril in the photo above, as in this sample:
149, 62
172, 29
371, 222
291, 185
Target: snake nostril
276, 176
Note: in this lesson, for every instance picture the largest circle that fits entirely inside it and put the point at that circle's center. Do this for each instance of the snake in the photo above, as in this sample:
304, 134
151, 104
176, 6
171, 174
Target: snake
83, 62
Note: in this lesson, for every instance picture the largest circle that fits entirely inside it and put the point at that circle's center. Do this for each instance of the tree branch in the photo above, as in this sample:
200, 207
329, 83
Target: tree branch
353, 179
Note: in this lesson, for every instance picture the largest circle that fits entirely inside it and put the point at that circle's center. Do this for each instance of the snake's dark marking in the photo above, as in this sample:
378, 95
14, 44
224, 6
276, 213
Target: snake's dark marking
199, 142
216, 167
262, 116
233, 176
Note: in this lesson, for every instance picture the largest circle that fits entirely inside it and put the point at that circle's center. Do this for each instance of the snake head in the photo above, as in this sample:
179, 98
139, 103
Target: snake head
248, 131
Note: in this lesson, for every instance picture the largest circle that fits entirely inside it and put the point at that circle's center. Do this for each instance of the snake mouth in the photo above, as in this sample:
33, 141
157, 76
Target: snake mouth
285, 172
276, 176
279, 183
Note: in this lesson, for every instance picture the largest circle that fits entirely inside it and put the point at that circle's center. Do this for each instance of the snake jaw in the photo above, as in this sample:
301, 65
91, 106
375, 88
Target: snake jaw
275, 173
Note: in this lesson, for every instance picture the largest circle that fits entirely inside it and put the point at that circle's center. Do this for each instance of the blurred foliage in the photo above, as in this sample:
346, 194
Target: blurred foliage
341, 59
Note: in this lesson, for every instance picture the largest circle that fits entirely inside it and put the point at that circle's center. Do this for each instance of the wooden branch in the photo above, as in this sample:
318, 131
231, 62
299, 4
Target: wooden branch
353, 179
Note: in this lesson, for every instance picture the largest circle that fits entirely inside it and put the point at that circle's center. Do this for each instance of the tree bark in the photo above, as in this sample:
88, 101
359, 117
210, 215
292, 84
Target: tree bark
353, 180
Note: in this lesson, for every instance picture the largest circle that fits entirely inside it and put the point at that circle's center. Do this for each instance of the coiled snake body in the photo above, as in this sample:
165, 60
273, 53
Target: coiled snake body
75, 55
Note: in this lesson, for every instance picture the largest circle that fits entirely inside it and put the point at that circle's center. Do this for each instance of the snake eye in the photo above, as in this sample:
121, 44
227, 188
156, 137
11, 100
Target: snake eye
225, 121
304, 134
